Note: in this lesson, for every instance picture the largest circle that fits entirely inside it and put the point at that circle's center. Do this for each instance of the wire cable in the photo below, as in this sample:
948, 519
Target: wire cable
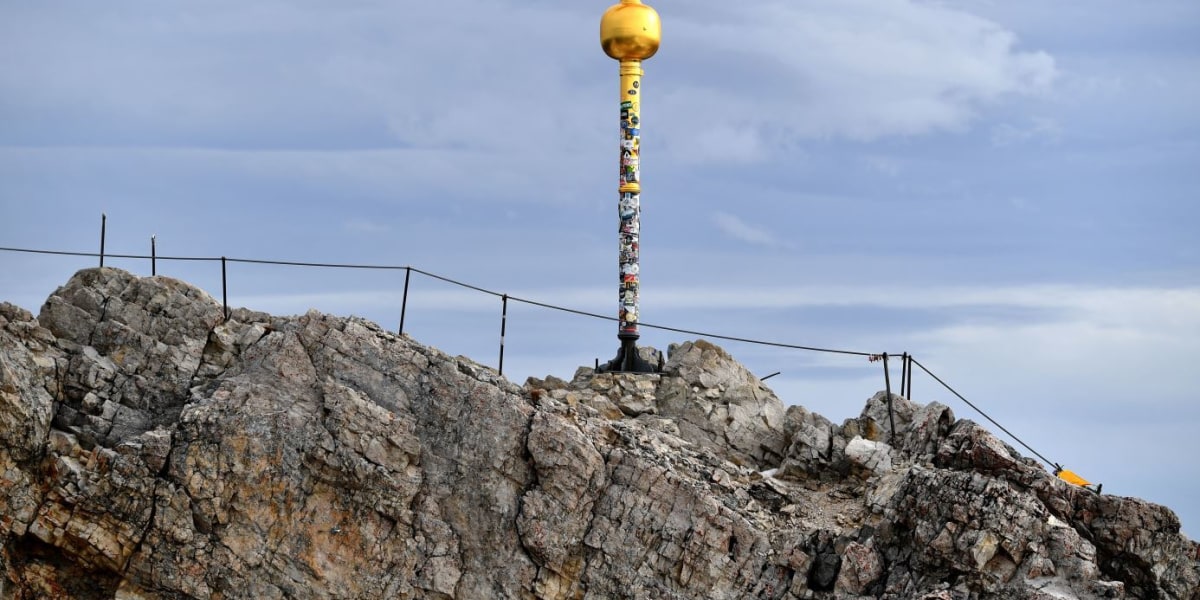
291, 263
985, 415
543, 305
458, 283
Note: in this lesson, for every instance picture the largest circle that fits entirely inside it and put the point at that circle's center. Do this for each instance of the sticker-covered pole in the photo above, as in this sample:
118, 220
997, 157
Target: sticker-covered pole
630, 33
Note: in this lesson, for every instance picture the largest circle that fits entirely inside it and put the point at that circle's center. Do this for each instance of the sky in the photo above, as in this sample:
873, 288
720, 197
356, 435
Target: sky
1005, 190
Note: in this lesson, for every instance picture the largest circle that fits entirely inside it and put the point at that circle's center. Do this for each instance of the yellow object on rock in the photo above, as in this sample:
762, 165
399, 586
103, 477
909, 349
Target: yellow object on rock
1072, 478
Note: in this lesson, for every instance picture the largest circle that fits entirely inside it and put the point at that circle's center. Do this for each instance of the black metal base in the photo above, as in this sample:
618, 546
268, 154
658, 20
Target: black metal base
628, 360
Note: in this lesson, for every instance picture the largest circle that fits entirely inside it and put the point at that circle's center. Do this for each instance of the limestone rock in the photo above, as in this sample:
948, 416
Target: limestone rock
714, 397
870, 457
812, 451
882, 412
713, 401
556, 512
706, 396
861, 567
151, 448
28, 387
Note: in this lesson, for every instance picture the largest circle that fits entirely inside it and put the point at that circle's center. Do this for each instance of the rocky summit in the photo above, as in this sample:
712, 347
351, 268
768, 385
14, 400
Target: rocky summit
152, 447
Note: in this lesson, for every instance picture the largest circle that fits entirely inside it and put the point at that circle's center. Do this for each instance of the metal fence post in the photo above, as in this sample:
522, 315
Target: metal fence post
503, 323
908, 392
103, 223
224, 289
404, 300
887, 382
153, 256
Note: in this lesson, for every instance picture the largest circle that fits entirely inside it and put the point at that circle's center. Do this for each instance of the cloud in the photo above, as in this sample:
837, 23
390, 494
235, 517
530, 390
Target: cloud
1039, 128
857, 69
884, 165
1108, 334
392, 175
308, 76
734, 227
284, 75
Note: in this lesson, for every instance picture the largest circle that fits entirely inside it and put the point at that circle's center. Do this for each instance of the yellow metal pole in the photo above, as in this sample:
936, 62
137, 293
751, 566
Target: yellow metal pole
630, 32
629, 209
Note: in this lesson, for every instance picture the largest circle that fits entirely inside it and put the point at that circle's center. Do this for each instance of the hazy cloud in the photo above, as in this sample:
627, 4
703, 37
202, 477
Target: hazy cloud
1038, 129
856, 69
277, 75
740, 230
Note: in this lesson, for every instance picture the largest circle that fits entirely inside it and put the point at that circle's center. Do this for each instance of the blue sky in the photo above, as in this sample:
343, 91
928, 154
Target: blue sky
1005, 189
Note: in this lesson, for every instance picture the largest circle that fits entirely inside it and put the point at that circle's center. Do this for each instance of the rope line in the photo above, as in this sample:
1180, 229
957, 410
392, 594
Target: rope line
869, 355
458, 283
980, 411
111, 255
759, 342
453, 282
687, 331
573, 311
313, 264
58, 252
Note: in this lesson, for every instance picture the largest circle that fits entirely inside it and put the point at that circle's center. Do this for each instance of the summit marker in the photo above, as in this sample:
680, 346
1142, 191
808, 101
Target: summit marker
630, 32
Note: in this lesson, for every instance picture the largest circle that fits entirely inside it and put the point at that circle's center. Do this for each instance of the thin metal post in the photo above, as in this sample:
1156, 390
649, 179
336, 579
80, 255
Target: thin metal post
103, 223
503, 324
903, 371
224, 289
153, 256
887, 382
404, 301
908, 392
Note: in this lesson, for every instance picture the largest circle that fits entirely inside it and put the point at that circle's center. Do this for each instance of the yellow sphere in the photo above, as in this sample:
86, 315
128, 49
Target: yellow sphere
630, 31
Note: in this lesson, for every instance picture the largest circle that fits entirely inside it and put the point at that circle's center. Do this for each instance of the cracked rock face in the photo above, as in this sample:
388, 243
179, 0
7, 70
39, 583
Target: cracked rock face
150, 448
705, 397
